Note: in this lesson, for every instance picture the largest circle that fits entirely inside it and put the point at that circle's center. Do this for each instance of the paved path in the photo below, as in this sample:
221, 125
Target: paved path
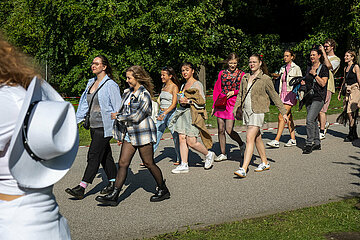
203, 197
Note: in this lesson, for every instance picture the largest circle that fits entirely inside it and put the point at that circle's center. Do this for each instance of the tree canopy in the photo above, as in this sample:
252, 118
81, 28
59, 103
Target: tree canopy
67, 35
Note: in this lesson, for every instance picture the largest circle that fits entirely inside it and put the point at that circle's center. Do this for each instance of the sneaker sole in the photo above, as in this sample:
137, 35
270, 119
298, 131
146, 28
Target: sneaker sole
180, 172
262, 170
208, 167
220, 160
239, 175
292, 145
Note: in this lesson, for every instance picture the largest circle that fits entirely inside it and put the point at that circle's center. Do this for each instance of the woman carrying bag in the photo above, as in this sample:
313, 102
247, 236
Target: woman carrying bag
315, 82
224, 96
100, 98
253, 102
288, 97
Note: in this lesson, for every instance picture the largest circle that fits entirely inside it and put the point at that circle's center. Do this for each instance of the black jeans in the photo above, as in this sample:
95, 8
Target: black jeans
99, 152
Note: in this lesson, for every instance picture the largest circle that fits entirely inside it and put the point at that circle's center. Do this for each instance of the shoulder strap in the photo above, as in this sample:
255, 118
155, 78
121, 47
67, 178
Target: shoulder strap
242, 102
92, 98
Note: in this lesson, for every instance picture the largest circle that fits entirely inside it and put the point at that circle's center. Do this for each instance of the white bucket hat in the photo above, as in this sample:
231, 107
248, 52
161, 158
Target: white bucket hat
45, 140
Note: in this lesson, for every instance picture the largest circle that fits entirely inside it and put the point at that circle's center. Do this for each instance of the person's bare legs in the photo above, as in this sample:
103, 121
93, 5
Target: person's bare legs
193, 143
322, 120
260, 147
184, 149
251, 134
281, 124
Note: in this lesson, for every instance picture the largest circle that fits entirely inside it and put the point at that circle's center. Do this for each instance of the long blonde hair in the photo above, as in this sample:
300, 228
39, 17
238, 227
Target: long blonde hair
142, 77
15, 67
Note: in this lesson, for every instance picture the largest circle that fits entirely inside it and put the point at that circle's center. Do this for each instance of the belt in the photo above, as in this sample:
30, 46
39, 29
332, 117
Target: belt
6, 197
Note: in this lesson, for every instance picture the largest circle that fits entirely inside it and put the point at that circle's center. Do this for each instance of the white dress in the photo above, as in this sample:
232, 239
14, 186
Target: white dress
249, 117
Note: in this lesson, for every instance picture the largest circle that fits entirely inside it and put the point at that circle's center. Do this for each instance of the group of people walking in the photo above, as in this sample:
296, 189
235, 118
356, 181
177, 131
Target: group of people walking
29, 103
237, 95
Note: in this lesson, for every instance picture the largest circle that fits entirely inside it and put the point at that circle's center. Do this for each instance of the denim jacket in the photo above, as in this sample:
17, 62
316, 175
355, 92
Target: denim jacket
109, 101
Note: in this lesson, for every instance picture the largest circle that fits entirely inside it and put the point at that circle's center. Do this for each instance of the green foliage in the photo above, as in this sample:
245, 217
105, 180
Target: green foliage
66, 35
337, 19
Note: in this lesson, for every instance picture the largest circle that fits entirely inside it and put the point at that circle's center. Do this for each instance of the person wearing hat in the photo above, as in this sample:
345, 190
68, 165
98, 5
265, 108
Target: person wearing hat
100, 98
38, 145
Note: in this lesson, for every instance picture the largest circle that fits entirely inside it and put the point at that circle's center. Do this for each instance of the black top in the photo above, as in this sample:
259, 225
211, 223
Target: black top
319, 92
350, 77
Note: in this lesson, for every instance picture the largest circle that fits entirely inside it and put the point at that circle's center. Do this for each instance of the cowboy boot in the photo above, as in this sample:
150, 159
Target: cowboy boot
111, 198
161, 194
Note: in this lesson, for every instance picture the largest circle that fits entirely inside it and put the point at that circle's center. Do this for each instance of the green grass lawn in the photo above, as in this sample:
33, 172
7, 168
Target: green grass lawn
307, 223
271, 116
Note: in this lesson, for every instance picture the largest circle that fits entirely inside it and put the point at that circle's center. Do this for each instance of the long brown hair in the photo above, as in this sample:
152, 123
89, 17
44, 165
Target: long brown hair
170, 71
15, 67
142, 77
263, 66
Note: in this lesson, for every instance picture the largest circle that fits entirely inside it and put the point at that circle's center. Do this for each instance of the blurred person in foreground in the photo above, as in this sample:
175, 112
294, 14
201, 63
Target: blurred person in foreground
38, 144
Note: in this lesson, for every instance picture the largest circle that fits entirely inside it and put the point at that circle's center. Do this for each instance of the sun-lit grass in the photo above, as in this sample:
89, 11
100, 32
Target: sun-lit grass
307, 223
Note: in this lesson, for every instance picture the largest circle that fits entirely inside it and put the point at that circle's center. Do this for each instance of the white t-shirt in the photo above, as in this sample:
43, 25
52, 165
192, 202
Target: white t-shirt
11, 99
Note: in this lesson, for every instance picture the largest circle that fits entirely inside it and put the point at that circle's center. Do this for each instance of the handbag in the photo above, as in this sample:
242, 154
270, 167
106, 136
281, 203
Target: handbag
86, 123
310, 94
220, 102
239, 111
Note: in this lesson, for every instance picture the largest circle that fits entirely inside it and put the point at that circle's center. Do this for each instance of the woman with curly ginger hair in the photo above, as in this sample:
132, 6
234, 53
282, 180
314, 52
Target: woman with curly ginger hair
25, 213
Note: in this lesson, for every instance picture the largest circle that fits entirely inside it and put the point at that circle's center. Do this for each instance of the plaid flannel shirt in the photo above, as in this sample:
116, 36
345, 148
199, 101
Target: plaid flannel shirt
135, 118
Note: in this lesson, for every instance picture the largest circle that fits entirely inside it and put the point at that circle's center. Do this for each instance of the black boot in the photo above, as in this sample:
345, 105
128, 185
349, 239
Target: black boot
109, 188
355, 135
111, 198
349, 137
162, 193
77, 192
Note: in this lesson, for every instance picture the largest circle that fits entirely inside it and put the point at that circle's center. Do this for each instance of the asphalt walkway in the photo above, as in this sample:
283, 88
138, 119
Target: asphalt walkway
204, 197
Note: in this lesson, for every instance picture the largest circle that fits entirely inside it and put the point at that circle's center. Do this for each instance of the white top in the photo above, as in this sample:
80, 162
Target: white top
11, 99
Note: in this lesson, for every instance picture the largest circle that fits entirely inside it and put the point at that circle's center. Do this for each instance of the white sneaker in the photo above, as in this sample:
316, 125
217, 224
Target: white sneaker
241, 172
273, 143
322, 136
262, 167
220, 158
290, 143
326, 127
182, 168
209, 160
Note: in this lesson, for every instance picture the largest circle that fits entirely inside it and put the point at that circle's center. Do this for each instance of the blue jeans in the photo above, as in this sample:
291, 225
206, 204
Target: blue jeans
312, 129
160, 128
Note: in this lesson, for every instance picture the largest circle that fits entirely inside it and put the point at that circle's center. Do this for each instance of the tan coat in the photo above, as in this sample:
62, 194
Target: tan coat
199, 115
261, 93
